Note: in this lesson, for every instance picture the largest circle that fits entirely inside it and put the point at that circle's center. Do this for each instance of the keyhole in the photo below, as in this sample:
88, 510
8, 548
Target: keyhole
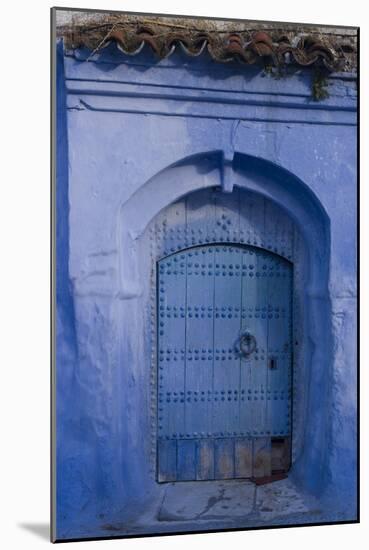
272, 363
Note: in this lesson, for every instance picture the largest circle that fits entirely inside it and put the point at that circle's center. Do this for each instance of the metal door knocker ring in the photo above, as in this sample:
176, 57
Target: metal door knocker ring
247, 344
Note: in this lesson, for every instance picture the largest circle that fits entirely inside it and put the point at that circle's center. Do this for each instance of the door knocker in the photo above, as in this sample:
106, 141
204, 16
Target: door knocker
247, 345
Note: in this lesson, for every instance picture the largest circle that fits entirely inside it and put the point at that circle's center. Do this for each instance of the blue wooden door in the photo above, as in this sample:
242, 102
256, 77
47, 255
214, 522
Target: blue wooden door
224, 363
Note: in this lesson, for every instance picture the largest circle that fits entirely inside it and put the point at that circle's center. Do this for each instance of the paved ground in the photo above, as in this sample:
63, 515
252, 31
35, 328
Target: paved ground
212, 500
196, 506
214, 505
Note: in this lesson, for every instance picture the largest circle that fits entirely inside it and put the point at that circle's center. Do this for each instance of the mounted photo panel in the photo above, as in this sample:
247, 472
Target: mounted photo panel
204, 372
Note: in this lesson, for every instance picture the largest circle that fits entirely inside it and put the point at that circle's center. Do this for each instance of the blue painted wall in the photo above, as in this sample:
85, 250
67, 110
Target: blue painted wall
133, 136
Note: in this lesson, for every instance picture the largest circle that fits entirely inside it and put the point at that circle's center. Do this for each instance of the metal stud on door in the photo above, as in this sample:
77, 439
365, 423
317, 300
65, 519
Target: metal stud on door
224, 362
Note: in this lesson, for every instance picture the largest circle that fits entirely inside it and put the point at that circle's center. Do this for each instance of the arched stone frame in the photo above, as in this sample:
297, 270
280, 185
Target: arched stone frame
312, 332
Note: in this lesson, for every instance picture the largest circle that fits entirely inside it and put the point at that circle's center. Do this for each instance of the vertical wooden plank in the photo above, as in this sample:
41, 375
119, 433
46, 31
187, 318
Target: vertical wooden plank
167, 460
171, 352
279, 347
172, 222
200, 211
199, 342
200, 315
262, 461
186, 460
227, 307
171, 322
227, 216
252, 219
279, 325
205, 459
253, 369
243, 457
281, 454
254, 320
278, 230
224, 458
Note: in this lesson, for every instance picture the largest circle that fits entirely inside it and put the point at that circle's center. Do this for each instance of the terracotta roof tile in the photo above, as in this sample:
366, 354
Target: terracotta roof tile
277, 45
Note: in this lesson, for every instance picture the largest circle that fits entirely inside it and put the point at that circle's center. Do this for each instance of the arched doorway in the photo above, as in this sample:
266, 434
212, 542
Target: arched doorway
224, 357
268, 210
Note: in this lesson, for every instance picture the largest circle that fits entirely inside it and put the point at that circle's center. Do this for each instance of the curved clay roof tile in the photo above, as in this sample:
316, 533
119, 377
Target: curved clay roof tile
163, 37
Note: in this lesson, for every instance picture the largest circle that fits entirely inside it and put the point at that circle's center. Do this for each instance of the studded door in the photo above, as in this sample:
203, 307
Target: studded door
224, 363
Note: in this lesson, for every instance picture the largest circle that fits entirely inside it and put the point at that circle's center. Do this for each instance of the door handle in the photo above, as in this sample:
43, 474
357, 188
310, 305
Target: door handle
272, 363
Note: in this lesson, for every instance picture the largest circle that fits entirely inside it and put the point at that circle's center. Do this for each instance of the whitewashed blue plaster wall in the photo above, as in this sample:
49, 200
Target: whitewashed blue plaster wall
134, 136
